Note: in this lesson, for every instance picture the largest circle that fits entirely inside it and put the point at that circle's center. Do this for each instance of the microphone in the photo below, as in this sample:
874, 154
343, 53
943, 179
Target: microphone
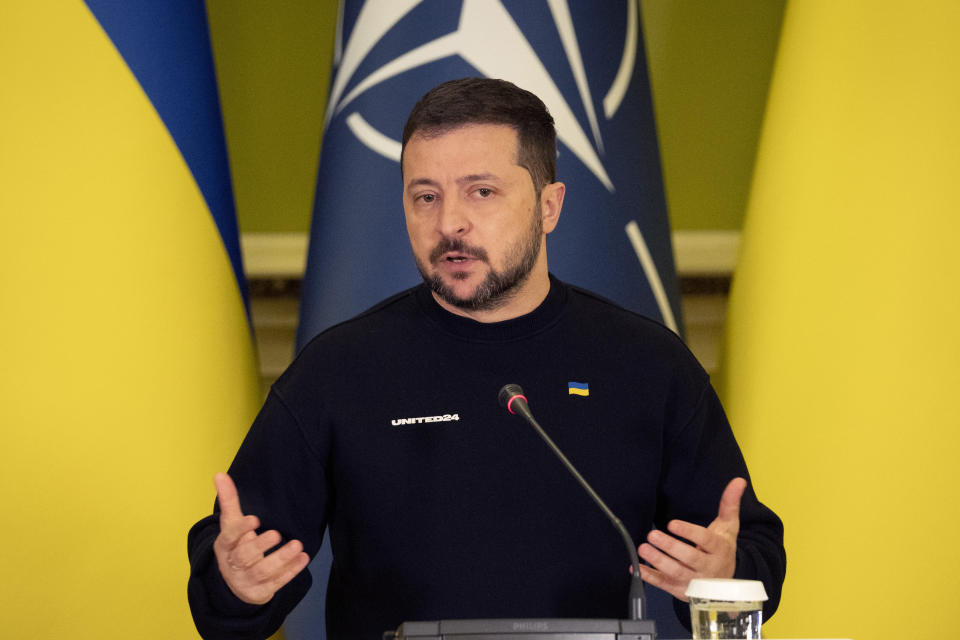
512, 399
636, 628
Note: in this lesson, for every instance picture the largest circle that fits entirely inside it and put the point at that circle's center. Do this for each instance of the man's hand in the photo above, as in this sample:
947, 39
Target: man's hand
252, 576
675, 562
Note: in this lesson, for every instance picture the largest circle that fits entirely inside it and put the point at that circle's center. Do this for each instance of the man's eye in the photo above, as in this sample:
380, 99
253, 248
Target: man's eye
484, 192
428, 198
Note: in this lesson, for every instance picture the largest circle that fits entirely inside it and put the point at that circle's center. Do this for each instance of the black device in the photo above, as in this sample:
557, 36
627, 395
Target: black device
636, 628
526, 629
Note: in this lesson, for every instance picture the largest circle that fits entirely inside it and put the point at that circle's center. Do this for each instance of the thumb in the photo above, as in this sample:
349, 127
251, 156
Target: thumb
729, 511
228, 498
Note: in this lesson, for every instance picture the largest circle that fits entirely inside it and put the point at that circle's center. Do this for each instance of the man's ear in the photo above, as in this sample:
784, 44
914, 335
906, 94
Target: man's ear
551, 202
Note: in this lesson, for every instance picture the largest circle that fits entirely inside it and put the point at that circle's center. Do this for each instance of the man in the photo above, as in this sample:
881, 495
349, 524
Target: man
440, 505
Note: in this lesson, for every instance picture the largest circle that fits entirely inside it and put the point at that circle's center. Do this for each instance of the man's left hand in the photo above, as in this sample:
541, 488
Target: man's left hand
712, 554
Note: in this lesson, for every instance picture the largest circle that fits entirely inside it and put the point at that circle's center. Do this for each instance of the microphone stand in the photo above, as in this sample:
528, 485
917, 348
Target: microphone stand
512, 399
636, 628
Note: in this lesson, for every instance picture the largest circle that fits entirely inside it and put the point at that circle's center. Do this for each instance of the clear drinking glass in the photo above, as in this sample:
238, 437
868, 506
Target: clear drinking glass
726, 609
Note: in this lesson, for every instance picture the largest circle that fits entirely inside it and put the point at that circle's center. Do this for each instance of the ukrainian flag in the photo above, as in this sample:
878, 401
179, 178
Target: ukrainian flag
127, 374
578, 388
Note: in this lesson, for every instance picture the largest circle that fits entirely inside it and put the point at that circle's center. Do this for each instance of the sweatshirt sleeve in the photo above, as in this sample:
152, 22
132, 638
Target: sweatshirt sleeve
276, 457
700, 459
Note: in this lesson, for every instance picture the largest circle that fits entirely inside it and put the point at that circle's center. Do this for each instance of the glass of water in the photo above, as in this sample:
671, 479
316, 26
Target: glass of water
725, 609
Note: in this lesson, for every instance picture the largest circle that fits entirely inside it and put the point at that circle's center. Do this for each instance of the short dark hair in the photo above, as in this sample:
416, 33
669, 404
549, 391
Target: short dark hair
467, 101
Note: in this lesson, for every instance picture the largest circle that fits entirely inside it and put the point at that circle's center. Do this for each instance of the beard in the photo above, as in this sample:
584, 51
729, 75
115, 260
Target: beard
499, 286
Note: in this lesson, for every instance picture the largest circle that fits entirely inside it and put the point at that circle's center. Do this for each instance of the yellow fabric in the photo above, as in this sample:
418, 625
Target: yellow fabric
127, 373
843, 343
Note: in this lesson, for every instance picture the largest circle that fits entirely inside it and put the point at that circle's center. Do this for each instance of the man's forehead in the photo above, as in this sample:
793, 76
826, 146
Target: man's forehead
425, 137
431, 132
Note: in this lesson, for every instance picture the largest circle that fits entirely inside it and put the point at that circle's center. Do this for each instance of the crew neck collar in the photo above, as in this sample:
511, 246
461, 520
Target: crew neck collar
504, 331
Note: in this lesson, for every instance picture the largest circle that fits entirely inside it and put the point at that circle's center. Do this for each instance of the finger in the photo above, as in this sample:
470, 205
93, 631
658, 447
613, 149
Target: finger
274, 567
657, 579
670, 567
250, 551
227, 498
290, 570
682, 552
258, 583
729, 510
234, 532
713, 539
689, 531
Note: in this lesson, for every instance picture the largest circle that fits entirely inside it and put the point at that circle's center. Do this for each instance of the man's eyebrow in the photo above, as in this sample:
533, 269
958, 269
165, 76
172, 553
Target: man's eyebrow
473, 177
478, 177
422, 182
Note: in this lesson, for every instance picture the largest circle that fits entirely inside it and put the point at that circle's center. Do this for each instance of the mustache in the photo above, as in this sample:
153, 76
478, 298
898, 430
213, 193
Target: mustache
456, 245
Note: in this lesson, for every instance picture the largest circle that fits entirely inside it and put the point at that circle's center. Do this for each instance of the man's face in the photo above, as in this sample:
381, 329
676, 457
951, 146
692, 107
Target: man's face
472, 214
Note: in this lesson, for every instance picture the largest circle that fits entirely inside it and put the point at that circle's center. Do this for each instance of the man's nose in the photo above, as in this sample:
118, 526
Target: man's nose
453, 219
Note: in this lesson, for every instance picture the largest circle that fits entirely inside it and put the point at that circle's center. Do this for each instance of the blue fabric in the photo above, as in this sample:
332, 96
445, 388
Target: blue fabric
167, 47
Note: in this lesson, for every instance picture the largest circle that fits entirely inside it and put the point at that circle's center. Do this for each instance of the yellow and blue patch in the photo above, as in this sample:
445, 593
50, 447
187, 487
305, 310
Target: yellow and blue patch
578, 388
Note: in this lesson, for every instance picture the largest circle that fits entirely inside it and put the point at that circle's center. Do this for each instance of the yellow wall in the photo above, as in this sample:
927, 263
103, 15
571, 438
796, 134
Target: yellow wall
273, 65
710, 64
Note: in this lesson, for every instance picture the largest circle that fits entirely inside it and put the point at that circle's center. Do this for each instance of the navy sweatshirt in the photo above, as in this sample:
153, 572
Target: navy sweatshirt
386, 429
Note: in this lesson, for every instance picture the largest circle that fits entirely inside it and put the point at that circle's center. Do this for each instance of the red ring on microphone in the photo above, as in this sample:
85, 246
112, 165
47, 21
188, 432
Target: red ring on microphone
512, 398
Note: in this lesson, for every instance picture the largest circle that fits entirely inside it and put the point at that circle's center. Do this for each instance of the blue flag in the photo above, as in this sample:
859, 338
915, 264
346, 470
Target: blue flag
584, 59
167, 48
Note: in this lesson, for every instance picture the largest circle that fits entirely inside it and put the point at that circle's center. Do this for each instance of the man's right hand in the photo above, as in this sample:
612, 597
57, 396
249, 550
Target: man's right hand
252, 576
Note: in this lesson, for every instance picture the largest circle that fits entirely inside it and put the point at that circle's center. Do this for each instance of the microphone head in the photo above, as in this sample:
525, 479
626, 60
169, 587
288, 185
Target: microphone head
507, 393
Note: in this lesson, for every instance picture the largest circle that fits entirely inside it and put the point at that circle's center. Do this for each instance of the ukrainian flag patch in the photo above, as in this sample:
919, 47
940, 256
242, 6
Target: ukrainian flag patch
578, 388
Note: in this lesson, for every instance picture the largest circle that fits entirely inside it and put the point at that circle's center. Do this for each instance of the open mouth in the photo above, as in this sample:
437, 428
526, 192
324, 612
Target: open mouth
457, 258
456, 253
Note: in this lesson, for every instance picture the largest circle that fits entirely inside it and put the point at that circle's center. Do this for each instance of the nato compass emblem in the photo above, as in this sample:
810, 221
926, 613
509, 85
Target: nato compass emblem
584, 59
